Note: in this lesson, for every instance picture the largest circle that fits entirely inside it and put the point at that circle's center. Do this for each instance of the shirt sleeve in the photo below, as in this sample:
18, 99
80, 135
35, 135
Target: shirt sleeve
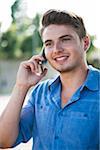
26, 123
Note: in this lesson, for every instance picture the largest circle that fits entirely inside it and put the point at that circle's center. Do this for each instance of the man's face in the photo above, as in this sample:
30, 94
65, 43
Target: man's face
63, 48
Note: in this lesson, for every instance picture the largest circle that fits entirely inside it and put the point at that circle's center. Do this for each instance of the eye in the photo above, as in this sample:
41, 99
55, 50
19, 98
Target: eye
48, 44
66, 39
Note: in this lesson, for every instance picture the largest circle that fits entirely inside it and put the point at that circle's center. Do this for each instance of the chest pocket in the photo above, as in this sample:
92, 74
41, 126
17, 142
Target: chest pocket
79, 115
81, 127
45, 114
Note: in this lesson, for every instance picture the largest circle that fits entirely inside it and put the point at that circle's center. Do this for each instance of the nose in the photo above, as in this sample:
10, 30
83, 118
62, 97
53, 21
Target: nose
57, 47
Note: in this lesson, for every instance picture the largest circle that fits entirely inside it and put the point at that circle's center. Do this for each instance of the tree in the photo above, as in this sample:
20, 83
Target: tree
93, 54
26, 47
15, 10
18, 10
37, 41
9, 43
32, 43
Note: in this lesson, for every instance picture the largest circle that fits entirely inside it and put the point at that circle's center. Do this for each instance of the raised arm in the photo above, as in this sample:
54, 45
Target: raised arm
28, 75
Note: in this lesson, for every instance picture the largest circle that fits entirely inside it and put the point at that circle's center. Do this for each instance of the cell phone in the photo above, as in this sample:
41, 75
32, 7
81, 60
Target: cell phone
41, 63
42, 53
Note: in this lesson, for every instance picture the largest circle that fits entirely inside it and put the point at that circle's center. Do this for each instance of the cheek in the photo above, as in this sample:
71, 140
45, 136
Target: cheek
48, 54
77, 50
78, 55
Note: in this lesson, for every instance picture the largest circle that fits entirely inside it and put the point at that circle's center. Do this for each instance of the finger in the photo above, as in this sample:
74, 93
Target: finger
42, 74
37, 58
29, 65
41, 69
35, 63
37, 66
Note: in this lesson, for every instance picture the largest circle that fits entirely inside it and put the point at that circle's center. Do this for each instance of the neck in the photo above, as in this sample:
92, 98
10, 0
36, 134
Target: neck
73, 79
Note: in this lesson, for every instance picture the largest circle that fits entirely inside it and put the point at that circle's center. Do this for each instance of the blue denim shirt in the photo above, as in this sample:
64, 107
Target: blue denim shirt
73, 127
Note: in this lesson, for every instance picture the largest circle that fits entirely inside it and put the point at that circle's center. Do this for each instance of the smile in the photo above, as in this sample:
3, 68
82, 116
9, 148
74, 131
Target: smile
61, 58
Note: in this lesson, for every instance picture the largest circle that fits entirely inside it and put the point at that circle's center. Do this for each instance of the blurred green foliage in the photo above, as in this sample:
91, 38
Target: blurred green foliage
9, 42
15, 9
22, 39
93, 53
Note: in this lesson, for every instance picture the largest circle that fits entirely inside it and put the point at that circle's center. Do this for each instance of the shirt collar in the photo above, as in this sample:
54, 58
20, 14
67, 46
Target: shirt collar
92, 80
52, 83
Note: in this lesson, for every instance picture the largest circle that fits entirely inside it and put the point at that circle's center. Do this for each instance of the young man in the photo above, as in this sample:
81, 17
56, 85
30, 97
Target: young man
62, 113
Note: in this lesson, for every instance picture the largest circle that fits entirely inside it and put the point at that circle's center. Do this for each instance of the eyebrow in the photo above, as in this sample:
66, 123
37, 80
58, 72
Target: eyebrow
67, 35
47, 41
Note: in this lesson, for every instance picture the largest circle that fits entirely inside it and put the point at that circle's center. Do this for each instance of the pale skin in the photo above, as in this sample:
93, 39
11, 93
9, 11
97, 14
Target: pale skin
27, 76
65, 52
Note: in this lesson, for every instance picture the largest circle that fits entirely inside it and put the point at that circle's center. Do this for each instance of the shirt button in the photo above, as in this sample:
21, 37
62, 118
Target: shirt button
56, 137
61, 114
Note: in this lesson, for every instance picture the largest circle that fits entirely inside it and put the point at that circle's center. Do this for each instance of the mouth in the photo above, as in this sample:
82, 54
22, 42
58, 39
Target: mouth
61, 59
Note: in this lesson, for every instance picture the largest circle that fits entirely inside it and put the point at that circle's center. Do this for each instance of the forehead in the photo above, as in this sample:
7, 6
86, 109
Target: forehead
55, 31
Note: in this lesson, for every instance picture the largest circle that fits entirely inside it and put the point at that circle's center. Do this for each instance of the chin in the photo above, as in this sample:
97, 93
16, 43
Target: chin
65, 69
62, 68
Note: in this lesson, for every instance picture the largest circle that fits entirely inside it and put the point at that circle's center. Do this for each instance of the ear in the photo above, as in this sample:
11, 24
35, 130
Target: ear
86, 40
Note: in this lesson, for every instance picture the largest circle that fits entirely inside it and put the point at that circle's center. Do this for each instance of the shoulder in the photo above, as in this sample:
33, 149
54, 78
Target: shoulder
40, 91
94, 70
44, 85
92, 81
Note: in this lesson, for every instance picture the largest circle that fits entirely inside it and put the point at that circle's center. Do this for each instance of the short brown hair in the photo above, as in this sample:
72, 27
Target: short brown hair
58, 17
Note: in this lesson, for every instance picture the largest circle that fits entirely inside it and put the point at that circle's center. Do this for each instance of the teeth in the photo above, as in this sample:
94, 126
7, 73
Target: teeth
61, 58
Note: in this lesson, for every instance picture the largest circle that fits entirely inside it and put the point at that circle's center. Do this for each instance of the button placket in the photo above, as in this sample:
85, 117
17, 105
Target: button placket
58, 124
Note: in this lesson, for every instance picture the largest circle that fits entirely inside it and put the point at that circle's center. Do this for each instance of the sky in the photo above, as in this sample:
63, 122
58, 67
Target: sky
88, 9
